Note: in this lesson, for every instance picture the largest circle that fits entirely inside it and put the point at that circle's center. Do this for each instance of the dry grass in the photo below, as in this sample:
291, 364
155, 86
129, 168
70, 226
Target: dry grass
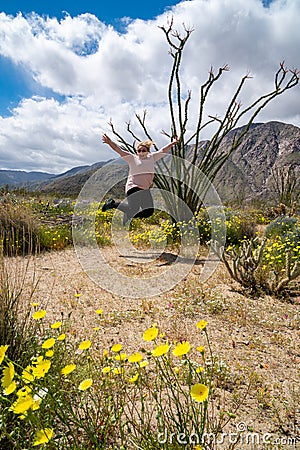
255, 338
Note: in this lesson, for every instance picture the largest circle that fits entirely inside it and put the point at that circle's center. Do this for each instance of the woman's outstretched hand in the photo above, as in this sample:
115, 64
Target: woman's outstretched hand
106, 139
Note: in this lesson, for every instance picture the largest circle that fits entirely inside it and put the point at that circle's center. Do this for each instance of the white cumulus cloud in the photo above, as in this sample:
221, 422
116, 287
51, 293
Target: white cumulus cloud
97, 73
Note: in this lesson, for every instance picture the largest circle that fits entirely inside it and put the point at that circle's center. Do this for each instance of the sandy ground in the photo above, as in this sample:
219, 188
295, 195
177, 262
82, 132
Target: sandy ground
256, 338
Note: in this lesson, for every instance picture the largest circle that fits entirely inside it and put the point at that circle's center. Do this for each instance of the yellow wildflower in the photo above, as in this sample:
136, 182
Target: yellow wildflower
134, 378
3, 349
43, 436
8, 375
56, 325
61, 337
49, 353
106, 369
121, 356
202, 324
37, 359
34, 304
36, 404
160, 350
135, 358
181, 349
68, 369
27, 374
116, 348
85, 384
200, 349
99, 311
42, 367
23, 391
143, 364
10, 388
85, 345
150, 334
48, 343
199, 392
39, 314
22, 404
118, 371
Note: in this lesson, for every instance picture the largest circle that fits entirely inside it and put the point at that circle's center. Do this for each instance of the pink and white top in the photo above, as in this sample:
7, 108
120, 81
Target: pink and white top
141, 171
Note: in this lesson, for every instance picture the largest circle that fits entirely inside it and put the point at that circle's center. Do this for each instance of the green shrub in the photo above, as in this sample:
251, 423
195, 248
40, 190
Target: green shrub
284, 226
54, 237
239, 226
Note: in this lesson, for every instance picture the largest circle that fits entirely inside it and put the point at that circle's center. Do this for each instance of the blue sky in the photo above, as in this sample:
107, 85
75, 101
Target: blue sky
14, 81
67, 67
108, 11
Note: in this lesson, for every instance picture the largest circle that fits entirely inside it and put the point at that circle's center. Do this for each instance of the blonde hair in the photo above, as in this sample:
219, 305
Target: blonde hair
146, 144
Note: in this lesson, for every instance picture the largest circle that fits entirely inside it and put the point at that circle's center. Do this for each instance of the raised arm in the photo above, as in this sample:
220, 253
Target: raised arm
168, 147
164, 150
114, 146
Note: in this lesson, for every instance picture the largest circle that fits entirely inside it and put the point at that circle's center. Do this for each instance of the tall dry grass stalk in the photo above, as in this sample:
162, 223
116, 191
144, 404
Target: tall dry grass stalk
19, 229
17, 286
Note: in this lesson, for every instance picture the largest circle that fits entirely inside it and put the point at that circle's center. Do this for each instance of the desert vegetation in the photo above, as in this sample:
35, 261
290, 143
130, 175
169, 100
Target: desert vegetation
205, 365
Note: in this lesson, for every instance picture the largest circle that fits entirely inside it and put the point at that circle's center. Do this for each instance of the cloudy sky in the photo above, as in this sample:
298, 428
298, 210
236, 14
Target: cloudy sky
67, 68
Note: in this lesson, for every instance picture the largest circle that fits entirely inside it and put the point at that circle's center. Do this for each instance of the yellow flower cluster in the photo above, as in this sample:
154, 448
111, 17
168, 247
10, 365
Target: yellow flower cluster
279, 251
115, 363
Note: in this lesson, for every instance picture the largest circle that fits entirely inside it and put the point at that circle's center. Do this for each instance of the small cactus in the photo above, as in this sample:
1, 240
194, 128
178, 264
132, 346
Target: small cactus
291, 273
244, 261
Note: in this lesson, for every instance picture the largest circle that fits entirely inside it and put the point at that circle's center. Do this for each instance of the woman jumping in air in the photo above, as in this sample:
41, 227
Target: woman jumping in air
140, 179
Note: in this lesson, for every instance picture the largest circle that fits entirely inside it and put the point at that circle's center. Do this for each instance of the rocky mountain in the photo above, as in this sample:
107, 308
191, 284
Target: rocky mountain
19, 177
248, 173
68, 183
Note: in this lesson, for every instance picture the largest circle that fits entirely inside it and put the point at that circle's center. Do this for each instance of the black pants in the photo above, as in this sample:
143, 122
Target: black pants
138, 205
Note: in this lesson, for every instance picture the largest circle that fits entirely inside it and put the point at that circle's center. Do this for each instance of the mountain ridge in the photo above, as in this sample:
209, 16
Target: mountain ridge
17, 177
246, 175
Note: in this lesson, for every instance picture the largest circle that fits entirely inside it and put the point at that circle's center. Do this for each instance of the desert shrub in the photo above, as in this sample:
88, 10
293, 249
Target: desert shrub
266, 265
281, 257
284, 227
103, 227
259, 216
90, 223
54, 237
238, 227
23, 229
19, 230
